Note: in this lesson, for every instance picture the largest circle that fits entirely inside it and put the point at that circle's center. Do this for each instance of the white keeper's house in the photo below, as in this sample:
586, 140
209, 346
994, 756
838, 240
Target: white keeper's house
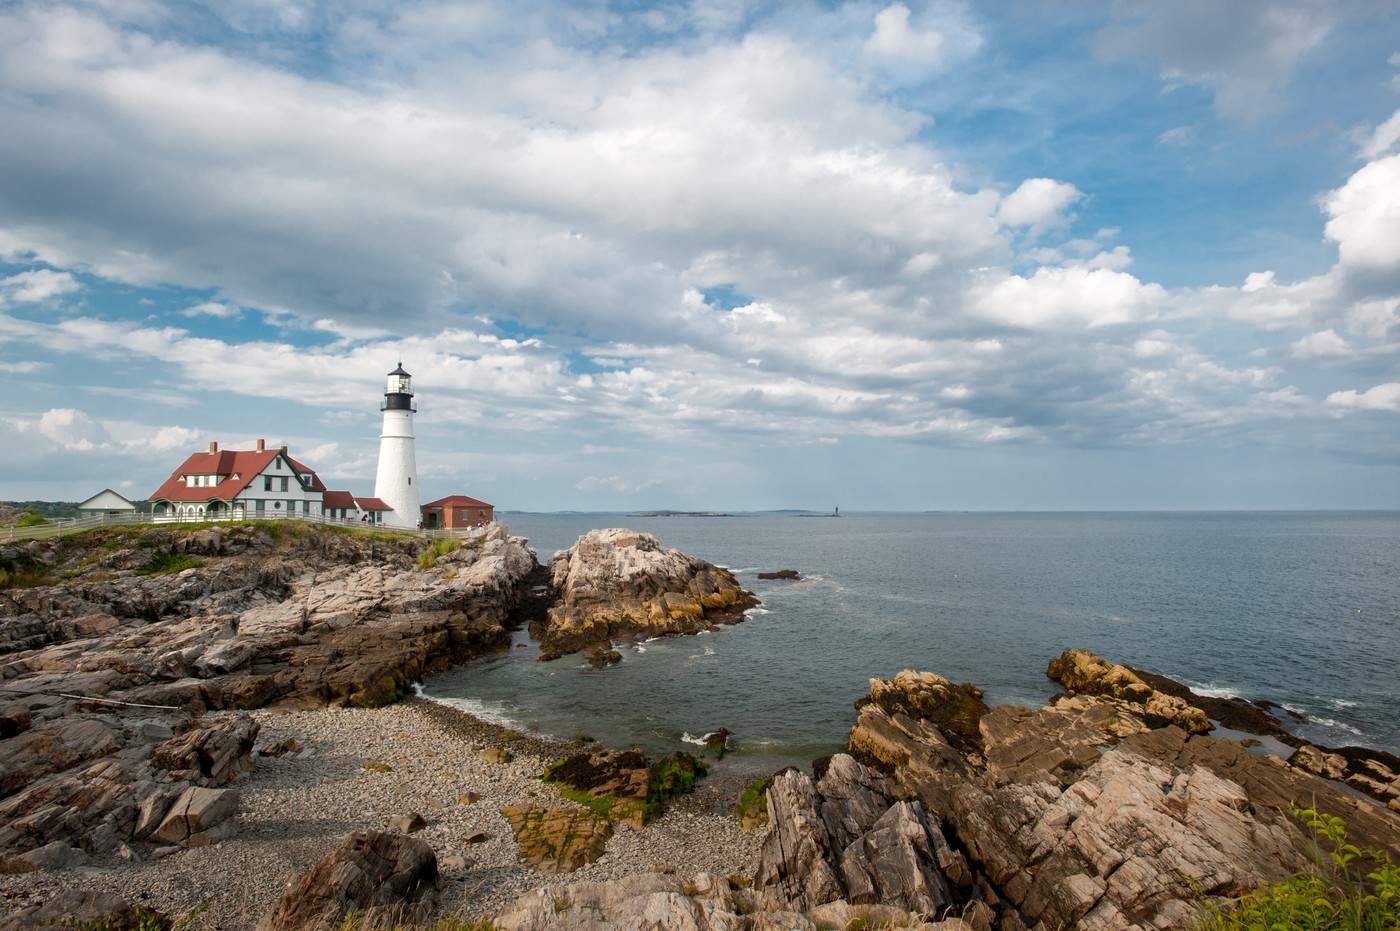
262, 482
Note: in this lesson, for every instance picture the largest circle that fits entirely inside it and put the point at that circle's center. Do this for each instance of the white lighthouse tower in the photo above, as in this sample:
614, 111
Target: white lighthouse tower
396, 484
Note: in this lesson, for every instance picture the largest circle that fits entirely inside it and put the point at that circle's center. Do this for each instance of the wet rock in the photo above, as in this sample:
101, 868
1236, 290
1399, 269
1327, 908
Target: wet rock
717, 742
622, 777
788, 574
387, 878
618, 583
557, 840
603, 656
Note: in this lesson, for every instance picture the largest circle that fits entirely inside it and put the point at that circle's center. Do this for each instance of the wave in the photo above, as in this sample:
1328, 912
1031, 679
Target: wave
1340, 703
1214, 691
1339, 725
639, 648
493, 713
709, 651
749, 612
700, 741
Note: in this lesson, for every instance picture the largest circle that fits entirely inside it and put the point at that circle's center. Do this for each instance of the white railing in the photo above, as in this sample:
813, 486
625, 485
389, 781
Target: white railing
62, 526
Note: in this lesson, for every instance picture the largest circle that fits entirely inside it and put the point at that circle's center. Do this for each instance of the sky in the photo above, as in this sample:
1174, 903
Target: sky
714, 254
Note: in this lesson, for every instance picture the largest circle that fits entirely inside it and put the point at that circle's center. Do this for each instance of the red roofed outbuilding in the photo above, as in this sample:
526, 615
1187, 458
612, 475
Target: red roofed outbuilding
456, 511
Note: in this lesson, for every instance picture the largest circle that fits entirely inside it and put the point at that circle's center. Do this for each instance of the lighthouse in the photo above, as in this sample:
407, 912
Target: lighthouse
396, 483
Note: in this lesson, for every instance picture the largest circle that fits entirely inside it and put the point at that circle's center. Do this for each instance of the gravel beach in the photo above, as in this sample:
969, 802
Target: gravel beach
295, 808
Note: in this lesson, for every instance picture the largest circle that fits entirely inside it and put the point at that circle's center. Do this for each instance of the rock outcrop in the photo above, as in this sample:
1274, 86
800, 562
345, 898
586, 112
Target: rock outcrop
613, 584
1084, 672
108, 667
1096, 811
625, 785
388, 879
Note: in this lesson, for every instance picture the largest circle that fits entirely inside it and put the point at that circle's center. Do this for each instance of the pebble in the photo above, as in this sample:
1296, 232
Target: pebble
295, 808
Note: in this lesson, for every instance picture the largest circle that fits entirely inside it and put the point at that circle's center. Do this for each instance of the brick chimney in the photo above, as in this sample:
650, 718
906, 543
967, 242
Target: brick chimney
213, 446
262, 445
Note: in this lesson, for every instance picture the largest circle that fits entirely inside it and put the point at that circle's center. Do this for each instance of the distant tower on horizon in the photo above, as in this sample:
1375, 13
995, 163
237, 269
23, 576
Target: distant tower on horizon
396, 483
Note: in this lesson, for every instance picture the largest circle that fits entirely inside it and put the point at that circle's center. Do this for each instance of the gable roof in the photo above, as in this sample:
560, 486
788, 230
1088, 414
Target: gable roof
106, 491
457, 501
247, 464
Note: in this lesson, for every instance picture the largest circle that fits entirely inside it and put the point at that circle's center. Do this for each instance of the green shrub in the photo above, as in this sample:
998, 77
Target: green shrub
753, 803
30, 519
436, 550
169, 564
1337, 897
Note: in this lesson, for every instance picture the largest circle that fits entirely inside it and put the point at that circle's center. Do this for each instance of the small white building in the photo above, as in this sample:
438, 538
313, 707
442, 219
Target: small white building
106, 503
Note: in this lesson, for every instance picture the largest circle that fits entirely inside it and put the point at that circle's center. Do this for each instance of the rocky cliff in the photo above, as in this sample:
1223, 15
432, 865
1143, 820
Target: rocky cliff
131, 633
622, 584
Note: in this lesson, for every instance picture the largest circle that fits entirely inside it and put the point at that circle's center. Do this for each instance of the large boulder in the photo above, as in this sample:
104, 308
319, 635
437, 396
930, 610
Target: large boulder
619, 583
386, 878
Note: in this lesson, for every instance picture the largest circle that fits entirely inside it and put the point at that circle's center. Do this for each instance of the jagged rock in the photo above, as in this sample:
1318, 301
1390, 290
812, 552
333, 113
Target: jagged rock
956, 709
385, 877
1085, 672
557, 840
199, 817
618, 583
217, 750
408, 824
846, 839
1091, 813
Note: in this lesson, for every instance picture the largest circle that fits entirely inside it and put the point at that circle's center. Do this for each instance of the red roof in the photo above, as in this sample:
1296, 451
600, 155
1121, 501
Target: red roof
456, 501
345, 499
247, 464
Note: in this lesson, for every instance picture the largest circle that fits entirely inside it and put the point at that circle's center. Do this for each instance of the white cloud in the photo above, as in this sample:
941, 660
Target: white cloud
211, 309
35, 286
22, 368
1384, 397
1067, 297
1383, 138
1324, 344
908, 51
1038, 203
71, 429
1365, 216
1177, 135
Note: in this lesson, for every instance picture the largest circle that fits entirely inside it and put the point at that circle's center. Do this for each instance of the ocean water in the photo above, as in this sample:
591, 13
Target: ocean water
1300, 608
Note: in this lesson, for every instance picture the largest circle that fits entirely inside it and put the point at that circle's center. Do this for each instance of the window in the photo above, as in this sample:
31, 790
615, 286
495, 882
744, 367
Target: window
282, 483
410, 479
267, 483
277, 505
258, 505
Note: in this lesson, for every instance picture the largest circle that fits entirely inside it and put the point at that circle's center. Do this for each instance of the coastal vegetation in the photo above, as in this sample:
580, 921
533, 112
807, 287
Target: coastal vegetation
436, 550
1338, 896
